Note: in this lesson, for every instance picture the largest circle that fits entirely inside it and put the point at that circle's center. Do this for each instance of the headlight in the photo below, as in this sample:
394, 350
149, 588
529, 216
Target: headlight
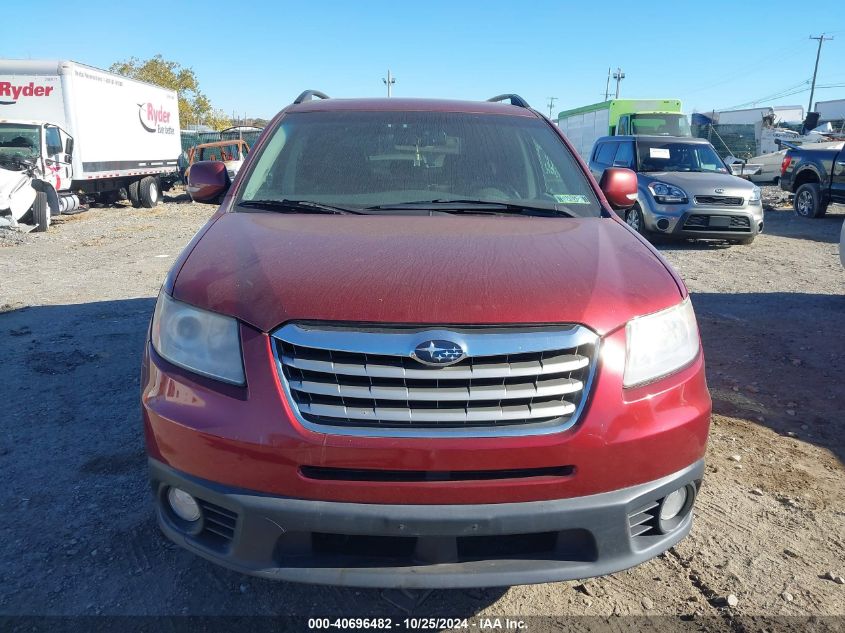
660, 343
200, 341
755, 195
667, 194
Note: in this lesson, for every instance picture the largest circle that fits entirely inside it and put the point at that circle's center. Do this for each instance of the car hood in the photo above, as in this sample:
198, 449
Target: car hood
268, 268
699, 182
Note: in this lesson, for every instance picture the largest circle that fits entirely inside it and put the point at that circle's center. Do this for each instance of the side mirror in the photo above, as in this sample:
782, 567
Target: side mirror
69, 147
619, 187
207, 181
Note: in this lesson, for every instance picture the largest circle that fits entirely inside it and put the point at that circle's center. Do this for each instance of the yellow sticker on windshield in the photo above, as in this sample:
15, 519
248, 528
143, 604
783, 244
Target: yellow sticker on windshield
571, 198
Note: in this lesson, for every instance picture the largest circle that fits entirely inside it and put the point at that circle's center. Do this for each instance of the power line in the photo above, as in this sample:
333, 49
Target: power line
551, 105
783, 92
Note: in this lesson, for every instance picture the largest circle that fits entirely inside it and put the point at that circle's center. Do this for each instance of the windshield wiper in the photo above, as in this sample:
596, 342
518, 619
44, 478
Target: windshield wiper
296, 206
450, 205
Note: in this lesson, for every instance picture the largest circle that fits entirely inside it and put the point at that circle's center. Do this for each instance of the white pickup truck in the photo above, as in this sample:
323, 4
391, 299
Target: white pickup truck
81, 135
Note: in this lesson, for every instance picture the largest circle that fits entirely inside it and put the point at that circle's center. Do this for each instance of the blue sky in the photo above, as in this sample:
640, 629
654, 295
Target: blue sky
255, 57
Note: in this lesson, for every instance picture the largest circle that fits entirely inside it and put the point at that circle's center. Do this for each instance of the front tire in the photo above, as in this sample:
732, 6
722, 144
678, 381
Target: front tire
149, 191
808, 201
634, 219
41, 212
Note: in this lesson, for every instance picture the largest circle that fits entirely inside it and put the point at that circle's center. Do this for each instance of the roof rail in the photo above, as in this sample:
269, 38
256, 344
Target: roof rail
308, 95
515, 100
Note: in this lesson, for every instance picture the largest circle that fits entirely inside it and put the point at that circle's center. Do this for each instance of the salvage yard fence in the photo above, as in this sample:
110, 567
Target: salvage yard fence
193, 139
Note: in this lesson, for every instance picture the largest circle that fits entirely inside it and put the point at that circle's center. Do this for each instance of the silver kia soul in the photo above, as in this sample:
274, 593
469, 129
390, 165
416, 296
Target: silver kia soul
685, 189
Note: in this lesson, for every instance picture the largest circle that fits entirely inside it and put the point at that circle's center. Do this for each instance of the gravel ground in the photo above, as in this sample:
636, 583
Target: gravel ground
79, 536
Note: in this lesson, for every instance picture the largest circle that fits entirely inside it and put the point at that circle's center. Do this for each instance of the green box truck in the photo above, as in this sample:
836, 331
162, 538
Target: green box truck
582, 126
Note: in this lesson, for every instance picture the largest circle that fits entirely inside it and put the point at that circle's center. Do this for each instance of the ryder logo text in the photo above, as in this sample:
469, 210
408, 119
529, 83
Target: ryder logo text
8, 89
155, 119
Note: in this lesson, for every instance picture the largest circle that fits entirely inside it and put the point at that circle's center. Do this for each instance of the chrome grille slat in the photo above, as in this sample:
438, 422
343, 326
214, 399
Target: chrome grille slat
560, 365
557, 387
481, 414
355, 380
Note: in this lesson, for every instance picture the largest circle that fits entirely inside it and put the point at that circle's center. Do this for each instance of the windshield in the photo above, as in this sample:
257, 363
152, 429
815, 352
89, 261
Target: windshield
678, 156
18, 141
363, 159
660, 124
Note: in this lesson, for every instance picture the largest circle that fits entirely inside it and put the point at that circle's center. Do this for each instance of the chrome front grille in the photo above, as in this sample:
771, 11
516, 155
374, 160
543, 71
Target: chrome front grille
363, 381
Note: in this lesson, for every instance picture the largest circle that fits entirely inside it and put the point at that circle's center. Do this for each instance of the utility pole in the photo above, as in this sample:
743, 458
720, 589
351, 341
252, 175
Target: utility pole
607, 85
618, 76
389, 83
551, 105
821, 38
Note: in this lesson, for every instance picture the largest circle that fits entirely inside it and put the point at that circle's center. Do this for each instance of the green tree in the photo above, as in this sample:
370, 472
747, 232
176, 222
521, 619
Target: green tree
218, 120
194, 106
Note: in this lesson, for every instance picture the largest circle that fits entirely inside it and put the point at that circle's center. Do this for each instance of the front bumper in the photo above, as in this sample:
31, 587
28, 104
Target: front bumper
704, 222
424, 546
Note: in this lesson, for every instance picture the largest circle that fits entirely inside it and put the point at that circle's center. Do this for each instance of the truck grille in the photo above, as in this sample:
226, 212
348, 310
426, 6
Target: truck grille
722, 201
364, 381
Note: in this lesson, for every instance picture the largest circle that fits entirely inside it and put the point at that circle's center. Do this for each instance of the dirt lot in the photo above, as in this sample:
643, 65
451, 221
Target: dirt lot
78, 535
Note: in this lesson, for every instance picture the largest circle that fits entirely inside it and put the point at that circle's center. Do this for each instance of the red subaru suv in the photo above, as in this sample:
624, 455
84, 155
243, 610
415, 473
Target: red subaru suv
414, 347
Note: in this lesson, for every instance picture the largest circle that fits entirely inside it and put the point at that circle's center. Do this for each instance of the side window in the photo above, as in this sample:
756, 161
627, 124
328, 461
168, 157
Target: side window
624, 155
622, 128
606, 153
707, 160
54, 141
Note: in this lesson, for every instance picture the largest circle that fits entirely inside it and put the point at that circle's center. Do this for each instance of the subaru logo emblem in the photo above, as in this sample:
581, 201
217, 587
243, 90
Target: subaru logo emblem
719, 190
438, 353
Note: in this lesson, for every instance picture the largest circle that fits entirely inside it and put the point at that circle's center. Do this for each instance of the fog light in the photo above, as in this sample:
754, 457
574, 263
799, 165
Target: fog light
673, 504
184, 505
663, 224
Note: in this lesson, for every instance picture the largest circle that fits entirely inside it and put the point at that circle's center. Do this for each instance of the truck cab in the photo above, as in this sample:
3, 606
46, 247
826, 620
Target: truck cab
36, 173
653, 124
47, 145
622, 117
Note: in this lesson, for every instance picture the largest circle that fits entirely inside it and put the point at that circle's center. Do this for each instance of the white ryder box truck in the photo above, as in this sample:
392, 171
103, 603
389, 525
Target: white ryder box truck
87, 133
